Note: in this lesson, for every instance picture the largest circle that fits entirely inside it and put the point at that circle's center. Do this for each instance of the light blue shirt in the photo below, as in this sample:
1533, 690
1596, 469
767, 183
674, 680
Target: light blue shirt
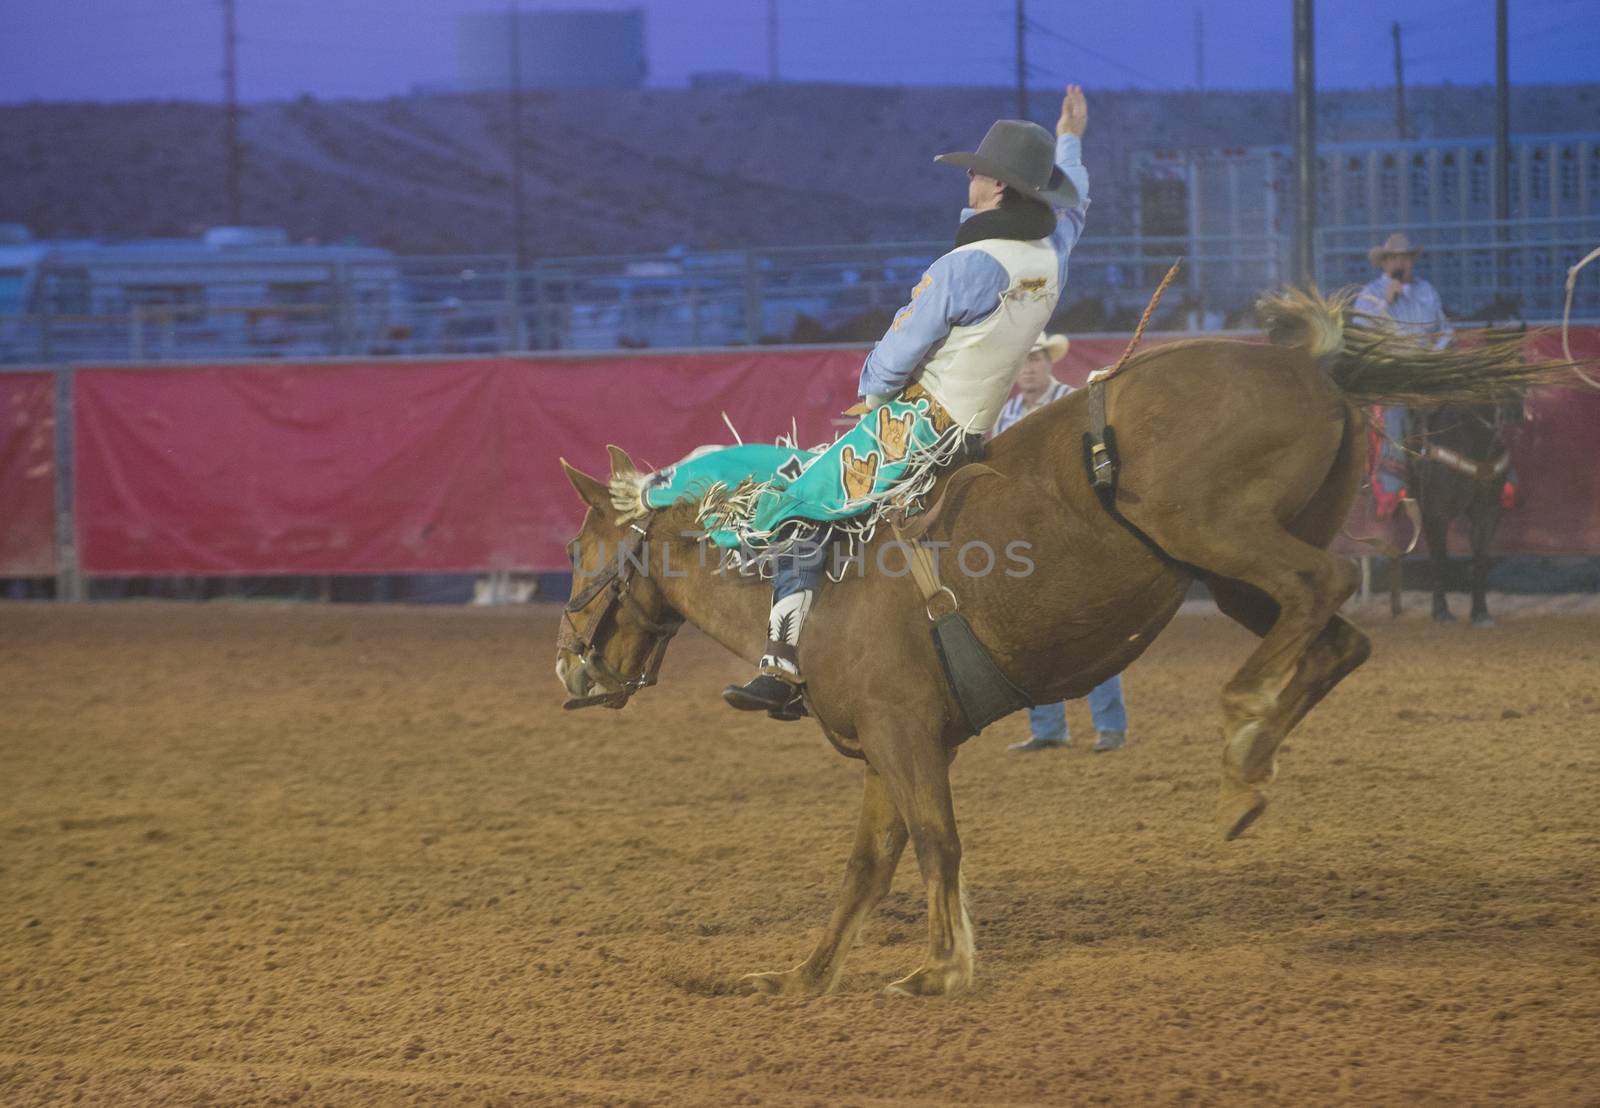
1417, 310
1015, 408
963, 287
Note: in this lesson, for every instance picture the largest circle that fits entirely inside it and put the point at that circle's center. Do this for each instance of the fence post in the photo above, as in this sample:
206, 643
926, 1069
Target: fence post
69, 581
342, 309
536, 336
752, 298
135, 335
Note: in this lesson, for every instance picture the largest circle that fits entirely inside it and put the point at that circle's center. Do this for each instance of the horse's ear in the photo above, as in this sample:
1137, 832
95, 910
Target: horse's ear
621, 464
594, 491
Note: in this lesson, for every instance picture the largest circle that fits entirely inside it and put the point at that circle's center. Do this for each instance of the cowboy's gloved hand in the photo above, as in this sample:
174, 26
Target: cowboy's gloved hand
1074, 119
868, 403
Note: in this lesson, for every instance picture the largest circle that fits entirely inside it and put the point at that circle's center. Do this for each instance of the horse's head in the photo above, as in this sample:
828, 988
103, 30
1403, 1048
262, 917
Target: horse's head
616, 627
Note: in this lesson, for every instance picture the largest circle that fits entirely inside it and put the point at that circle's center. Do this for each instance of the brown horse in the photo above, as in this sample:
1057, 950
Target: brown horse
1239, 462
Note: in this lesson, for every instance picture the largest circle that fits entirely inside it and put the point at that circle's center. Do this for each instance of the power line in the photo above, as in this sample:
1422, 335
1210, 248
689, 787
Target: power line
1399, 86
1034, 24
772, 42
230, 91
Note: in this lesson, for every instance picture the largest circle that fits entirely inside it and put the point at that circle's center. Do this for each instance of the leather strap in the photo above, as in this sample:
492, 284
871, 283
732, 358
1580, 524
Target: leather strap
925, 573
1478, 471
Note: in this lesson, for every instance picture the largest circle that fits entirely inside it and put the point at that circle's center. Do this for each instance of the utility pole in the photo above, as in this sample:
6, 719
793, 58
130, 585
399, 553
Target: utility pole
1502, 116
1502, 145
1200, 49
519, 259
230, 95
1401, 130
772, 42
1022, 59
1305, 145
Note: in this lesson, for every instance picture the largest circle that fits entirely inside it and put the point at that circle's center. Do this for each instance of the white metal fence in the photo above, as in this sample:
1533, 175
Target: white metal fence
476, 304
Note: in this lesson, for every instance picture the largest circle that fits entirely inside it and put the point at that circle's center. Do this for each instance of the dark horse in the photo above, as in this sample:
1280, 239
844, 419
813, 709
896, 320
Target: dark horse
1459, 467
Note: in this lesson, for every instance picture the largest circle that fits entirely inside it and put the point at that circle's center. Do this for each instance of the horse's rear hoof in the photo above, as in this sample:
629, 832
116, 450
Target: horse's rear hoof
1443, 617
1237, 810
1483, 621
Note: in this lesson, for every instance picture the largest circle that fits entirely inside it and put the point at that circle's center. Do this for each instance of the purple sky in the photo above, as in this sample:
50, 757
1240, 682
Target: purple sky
126, 49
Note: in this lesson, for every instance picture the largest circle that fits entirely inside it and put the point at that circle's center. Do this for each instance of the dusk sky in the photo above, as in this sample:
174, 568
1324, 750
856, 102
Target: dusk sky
128, 49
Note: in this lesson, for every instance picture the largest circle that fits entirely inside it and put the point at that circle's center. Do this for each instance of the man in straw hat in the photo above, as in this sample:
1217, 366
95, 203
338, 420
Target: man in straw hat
1047, 723
936, 380
1398, 295
1036, 382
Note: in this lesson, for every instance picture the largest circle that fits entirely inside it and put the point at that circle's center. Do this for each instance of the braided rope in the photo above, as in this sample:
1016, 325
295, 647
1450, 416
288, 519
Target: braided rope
1144, 321
1566, 314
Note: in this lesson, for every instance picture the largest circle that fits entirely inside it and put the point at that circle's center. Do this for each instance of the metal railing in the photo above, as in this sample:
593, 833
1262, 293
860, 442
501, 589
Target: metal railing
242, 309
1482, 268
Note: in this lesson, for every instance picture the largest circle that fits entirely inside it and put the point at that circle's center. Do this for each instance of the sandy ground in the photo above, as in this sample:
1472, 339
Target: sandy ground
259, 854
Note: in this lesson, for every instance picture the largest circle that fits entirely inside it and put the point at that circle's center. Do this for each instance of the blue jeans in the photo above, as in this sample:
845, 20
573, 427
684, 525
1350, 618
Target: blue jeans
1106, 709
794, 573
1396, 419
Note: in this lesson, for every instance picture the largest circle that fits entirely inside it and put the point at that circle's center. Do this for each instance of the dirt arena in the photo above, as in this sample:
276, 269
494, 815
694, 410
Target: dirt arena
264, 854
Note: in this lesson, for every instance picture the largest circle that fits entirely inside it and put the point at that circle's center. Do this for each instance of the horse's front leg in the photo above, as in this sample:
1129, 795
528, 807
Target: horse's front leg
880, 838
917, 774
1485, 518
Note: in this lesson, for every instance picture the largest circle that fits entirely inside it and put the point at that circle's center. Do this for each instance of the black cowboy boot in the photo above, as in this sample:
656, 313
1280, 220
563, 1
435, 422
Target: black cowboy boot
768, 692
776, 689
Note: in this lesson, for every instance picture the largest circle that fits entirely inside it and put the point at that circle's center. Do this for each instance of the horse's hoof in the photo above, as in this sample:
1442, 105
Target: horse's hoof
1445, 616
1249, 755
931, 981
1483, 621
1238, 808
788, 983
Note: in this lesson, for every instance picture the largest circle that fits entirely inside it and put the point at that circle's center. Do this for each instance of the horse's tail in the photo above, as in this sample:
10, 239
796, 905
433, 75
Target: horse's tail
1373, 362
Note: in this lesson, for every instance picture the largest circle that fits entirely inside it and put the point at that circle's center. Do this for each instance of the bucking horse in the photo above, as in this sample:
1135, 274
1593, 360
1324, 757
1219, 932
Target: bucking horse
1238, 463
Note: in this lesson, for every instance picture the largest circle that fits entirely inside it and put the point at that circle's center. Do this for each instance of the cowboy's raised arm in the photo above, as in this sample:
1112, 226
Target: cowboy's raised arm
957, 290
1070, 125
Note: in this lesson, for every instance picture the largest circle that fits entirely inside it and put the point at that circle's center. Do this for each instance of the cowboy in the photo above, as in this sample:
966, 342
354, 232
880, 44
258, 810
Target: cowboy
1036, 381
944, 368
1412, 305
1047, 723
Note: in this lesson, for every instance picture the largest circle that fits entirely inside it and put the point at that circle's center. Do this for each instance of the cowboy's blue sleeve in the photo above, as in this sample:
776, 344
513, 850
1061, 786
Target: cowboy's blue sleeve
958, 289
1069, 221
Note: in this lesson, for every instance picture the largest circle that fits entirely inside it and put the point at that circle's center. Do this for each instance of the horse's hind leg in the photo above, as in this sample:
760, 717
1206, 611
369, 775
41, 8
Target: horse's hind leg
1336, 652
1307, 585
1340, 647
1295, 587
1436, 531
880, 838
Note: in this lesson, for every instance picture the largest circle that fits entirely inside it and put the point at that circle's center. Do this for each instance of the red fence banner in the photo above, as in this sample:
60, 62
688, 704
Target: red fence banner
454, 466
401, 467
27, 474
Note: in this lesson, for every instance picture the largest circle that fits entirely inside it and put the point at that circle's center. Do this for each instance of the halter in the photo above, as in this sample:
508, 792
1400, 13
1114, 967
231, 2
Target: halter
615, 581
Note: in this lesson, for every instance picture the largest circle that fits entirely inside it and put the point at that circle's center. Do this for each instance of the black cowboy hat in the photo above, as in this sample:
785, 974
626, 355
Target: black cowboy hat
1023, 155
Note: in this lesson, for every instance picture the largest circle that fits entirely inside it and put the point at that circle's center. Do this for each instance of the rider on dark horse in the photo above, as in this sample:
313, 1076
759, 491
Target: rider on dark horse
1452, 461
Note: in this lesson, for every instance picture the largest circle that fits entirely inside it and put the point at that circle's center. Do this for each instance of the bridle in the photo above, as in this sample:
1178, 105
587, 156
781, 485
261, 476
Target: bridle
1481, 470
615, 582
